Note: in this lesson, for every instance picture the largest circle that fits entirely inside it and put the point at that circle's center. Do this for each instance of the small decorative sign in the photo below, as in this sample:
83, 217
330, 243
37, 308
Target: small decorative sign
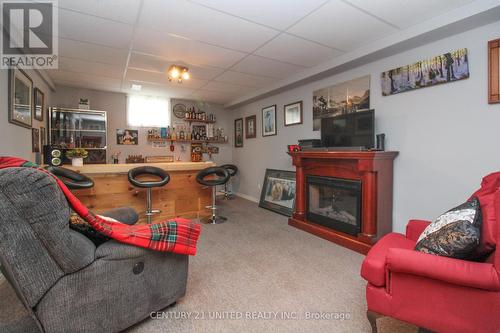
127, 137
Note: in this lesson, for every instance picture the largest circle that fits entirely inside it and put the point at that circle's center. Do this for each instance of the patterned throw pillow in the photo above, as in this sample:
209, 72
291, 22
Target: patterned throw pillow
455, 233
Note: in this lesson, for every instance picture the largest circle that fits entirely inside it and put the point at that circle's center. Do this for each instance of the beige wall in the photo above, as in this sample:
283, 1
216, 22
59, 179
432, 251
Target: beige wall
447, 135
116, 106
16, 140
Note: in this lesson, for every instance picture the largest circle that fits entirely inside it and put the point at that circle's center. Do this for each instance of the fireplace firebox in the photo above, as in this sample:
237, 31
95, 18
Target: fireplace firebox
334, 203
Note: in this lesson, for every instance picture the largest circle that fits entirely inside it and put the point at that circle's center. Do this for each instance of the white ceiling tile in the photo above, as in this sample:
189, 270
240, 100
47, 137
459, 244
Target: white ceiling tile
95, 86
177, 49
83, 78
212, 96
196, 22
92, 52
297, 51
162, 78
157, 90
228, 88
341, 26
276, 14
244, 79
92, 68
160, 65
119, 10
265, 67
414, 11
92, 29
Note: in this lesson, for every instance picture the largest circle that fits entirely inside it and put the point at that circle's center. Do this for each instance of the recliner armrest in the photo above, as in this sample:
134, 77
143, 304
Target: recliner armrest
113, 250
459, 272
414, 228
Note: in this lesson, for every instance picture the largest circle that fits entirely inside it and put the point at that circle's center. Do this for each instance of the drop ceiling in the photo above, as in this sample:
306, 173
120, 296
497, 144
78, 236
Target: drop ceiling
232, 48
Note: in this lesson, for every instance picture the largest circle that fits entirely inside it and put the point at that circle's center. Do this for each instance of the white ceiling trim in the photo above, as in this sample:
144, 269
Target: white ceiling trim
477, 13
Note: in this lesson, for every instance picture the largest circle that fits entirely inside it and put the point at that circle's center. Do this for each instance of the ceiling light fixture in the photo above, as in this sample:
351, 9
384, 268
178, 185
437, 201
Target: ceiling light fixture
178, 73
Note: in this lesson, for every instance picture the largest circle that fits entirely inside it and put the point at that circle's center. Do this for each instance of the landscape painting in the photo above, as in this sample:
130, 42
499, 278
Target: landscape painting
346, 97
448, 67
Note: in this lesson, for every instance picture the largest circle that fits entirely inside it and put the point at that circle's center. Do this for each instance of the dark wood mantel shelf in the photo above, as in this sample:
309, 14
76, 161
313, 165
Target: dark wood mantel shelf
374, 169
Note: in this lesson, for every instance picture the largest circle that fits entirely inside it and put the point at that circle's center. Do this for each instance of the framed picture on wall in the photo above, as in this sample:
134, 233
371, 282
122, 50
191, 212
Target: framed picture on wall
127, 137
38, 104
269, 121
238, 132
293, 113
278, 192
43, 137
20, 98
494, 71
250, 127
35, 140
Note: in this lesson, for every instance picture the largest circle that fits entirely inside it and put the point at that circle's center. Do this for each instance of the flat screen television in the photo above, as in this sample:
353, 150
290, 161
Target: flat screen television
355, 130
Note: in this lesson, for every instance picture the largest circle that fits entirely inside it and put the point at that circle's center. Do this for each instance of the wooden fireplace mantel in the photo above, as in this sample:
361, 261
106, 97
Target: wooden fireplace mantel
375, 171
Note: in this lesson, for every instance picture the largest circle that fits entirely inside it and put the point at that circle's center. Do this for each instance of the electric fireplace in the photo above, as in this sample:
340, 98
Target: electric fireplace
344, 196
334, 203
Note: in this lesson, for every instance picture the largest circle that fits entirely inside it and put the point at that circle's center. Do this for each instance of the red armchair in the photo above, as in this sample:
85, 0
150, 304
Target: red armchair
437, 293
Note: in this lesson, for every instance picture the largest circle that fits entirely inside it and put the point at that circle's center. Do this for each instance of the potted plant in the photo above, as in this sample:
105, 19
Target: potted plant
76, 156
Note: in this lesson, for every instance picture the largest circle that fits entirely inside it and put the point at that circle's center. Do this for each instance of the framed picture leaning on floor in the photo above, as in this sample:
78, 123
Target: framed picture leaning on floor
278, 191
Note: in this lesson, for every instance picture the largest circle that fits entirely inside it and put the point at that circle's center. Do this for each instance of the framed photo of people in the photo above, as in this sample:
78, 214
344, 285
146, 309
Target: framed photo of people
269, 121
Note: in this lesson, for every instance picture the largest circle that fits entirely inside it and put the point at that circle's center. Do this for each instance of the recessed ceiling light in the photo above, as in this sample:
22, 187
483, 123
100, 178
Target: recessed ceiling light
136, 87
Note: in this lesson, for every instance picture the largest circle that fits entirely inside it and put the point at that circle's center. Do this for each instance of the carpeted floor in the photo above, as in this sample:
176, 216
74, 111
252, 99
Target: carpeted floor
257, 274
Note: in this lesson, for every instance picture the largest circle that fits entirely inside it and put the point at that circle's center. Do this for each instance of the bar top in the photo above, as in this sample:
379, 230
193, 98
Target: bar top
124, 168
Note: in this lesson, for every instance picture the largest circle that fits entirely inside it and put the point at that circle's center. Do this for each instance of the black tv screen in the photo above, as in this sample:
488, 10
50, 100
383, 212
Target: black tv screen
349, 130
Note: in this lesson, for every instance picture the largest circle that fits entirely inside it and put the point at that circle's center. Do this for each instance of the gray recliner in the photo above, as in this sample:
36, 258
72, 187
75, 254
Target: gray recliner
63, 280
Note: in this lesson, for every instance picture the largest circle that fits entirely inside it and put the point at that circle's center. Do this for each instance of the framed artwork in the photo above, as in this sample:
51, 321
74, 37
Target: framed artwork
444, 68
20, 98
238, 132
43, 137
35, 140
251, 127
38, 104
127, 137
269, 121
346, 97
293, 113
494, 71
278, 192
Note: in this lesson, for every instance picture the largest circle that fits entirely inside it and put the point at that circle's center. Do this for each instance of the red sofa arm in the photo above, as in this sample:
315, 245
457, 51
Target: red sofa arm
460, 272
414, 228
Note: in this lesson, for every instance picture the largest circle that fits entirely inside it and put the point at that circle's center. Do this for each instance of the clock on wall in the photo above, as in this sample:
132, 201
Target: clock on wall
179, 110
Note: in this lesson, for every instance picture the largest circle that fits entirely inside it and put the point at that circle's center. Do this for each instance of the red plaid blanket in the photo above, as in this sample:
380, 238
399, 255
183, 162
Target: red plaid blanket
177, 235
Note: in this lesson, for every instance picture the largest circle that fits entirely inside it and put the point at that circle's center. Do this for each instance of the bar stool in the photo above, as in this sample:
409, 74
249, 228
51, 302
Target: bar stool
233, 170
222, 178
148, 184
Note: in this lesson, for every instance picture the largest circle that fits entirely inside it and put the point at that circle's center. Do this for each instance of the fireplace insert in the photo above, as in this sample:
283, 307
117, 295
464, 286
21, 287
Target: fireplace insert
334, 203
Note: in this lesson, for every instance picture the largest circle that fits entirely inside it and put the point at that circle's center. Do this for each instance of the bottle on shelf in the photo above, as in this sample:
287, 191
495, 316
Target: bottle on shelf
174, 135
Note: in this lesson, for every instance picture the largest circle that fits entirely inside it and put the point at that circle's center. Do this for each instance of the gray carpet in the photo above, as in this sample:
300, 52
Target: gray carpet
257, 274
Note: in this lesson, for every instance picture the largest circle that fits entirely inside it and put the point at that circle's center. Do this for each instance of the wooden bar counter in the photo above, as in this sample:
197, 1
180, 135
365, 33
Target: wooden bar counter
181, 197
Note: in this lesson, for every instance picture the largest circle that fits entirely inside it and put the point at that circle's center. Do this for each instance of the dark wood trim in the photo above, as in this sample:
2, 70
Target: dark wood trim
493, 74
275, 120
247, 120
235, 140
301, 113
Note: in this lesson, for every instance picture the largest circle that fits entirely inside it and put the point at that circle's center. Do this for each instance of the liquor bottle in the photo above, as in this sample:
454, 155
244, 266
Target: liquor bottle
174, 135
181, 134
168, 132
186, 115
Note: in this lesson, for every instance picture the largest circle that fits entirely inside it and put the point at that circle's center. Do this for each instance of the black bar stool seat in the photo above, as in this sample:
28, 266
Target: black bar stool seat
218, 176
163, 179
233, 170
